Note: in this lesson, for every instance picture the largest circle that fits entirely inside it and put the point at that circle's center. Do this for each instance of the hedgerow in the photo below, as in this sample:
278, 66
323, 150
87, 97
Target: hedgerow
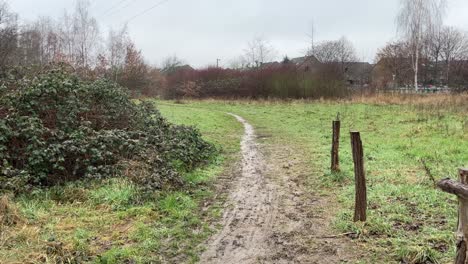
55, 128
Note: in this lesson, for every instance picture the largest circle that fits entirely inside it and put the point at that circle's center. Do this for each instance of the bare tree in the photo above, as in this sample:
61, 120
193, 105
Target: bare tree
259, 51
78, 36
73, 39
51, 46
66, 35
327, 51
117, 43
393, 62
346, 51
454, 47
44, 39
170, 63
86, 33
336, 51
434, 43
238, 63
8, 34
416, 19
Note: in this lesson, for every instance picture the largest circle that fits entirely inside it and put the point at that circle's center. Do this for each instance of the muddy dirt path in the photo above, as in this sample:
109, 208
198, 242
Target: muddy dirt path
269, 217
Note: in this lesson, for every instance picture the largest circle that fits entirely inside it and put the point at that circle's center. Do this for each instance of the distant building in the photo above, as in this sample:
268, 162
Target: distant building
358, 73
271, 65
355, 73
306, 63
176, 69
392, 73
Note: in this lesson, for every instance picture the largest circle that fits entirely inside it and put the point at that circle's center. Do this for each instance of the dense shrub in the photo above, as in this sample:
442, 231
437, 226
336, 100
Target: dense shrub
283, 81
56, 128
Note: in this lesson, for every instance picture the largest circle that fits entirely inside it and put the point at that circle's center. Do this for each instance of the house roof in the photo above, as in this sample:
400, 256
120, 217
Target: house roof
305, 59
297, 61
356, 70
177, 68
270, 65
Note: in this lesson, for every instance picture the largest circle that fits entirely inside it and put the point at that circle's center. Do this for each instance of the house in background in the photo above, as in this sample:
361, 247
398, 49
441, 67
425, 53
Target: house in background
272, 65
302, 64
358, 73
355, 73
306, 63
177, 69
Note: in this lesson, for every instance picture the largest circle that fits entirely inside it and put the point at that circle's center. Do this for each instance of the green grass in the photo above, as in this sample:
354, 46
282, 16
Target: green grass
409, 220
111, 222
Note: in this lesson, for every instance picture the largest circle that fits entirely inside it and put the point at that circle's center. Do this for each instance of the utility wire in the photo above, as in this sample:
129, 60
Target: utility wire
113, 7
122, 8
147, 10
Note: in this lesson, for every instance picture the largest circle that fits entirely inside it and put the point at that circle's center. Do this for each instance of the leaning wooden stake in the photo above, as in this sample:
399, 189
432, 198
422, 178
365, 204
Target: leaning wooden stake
460, 189
335, 162
360, 177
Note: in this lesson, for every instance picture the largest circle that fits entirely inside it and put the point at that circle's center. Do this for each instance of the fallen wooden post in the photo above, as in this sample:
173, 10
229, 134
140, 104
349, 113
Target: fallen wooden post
335, 161
360, 178
460, 189
454, 187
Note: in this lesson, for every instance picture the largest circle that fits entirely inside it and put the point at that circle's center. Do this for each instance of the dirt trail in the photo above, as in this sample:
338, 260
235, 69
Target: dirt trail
268, 217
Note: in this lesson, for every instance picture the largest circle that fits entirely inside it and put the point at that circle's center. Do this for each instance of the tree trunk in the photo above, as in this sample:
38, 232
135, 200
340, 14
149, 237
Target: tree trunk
416, 69
448, 73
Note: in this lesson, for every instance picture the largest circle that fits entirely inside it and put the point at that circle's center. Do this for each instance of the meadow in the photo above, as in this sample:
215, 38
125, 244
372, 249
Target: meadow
110, 221
408, 142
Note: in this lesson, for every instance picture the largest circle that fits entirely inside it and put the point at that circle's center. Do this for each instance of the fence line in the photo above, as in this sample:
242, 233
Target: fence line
460, 189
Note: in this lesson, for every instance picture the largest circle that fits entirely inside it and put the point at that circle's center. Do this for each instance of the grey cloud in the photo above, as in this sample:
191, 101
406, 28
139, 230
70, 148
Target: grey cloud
199, 31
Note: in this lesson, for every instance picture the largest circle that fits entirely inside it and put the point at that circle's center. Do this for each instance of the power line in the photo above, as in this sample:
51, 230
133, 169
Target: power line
113, 7
147, 10
122, 8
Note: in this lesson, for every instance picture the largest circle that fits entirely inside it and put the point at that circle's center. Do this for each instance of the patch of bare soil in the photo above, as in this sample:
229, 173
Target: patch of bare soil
269, 217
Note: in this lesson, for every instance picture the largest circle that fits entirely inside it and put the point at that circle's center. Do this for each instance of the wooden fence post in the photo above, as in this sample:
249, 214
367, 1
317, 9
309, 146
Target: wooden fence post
462, 230
460, 189
360, 177
335, 162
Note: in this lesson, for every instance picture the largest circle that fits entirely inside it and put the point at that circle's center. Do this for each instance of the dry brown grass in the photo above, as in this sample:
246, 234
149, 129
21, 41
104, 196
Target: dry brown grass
9, 214
13, 227
445, 101
451, 100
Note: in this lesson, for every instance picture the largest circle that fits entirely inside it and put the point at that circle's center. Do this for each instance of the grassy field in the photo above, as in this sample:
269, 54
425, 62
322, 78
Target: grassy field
409, 220
110, 222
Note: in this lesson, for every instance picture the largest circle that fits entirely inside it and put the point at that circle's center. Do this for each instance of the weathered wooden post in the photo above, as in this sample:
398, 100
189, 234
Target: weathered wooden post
360, 177
460, 189
335, 161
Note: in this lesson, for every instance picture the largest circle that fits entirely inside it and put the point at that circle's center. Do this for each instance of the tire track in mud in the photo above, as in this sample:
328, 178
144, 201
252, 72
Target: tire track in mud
269, 217
250, 211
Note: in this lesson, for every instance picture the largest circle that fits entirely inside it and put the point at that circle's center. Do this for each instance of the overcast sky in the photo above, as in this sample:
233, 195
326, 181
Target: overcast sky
200, 31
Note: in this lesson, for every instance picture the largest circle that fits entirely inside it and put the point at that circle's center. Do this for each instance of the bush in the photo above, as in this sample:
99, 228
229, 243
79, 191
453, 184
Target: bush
56, 128
283, 81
